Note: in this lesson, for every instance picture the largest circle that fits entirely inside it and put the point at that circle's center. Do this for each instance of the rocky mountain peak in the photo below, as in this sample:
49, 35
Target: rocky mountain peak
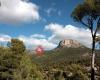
70, 43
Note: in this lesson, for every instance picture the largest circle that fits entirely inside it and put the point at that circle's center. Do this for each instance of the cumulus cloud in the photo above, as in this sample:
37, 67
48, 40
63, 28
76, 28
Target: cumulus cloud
38, 36
16, 11
4, 38
33, 42
60, 32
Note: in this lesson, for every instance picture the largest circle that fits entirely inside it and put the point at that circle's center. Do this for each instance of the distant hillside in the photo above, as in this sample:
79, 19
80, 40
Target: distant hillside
65, 53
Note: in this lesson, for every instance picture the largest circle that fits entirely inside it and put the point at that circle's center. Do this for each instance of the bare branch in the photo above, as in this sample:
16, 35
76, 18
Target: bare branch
98, 25
85, 24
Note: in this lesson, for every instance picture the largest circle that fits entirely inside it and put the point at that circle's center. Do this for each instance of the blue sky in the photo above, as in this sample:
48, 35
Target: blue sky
38, 22
60, 13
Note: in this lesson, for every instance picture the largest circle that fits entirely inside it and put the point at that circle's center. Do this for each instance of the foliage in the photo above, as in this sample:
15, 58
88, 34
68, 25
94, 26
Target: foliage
16, 64
27, 70
64, 56
53, 65
16, 46
89, 9
77, 72
88, 14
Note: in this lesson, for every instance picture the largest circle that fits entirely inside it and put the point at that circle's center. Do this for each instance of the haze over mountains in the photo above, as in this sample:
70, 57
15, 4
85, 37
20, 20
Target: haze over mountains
67, 51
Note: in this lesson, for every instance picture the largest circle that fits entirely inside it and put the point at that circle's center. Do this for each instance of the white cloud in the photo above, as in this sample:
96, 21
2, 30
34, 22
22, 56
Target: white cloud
60, 32
4, 38
16, 11
49, 11
53, 11
32, 42
38, 36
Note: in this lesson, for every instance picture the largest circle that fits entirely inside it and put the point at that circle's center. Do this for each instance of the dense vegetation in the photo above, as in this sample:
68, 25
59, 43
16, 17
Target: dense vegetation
16, 63
64, 58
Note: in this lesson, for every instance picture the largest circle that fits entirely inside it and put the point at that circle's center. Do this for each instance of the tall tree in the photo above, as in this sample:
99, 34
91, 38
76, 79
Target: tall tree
88, 14
16, 46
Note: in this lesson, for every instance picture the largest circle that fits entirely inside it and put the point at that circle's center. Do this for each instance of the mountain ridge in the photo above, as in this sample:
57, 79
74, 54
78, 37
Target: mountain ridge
69, 43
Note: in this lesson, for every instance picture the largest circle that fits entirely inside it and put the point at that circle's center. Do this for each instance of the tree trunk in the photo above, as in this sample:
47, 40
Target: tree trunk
93, 60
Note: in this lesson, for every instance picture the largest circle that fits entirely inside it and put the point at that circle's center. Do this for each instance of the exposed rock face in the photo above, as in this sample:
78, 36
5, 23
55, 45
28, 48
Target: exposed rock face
70, 43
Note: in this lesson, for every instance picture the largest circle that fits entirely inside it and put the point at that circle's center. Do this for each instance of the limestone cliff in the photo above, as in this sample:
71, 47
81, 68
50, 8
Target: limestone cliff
70, 43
